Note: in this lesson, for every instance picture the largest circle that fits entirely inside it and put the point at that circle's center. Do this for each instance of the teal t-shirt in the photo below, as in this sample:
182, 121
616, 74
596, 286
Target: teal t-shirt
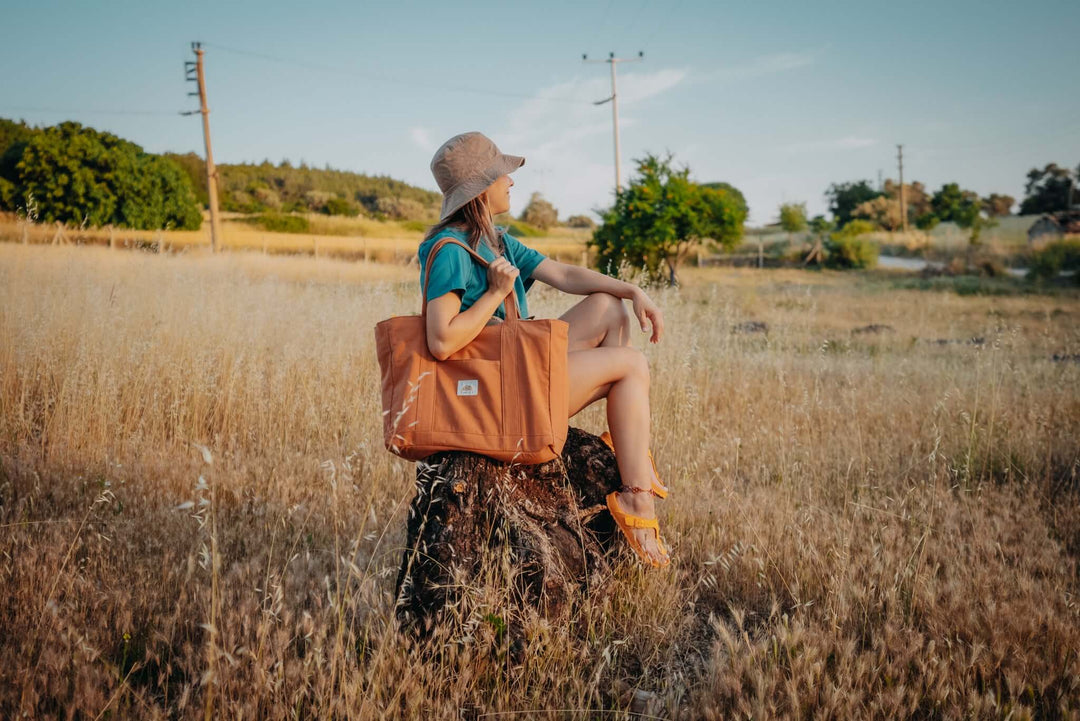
455, 269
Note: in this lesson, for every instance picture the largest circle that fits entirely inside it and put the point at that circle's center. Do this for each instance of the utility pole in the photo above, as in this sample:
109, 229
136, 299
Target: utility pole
903, 194
194, 73
612, 60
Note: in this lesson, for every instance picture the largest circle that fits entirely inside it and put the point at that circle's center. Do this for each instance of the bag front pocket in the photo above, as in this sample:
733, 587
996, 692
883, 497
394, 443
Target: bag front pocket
468, 397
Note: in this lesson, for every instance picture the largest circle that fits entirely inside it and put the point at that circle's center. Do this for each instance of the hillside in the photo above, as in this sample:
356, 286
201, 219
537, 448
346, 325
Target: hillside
250, 188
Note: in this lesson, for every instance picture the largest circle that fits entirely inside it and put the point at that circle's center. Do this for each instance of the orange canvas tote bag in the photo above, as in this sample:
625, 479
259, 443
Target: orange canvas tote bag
505, 395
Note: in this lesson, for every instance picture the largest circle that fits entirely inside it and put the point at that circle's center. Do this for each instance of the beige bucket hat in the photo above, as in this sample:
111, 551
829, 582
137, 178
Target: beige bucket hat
466, 165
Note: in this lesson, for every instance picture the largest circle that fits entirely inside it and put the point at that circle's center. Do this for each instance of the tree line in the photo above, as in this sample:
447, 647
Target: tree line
1048, 189
78, 175
81, 176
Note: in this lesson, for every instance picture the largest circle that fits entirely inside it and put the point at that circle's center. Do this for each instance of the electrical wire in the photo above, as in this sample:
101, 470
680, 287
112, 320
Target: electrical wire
69, 111
372, 77
660, 26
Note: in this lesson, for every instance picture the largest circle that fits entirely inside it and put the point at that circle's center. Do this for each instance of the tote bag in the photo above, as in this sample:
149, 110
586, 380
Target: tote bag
505, 395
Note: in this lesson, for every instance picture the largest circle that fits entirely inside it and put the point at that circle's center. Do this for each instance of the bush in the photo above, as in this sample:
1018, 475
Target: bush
845, 249
1058, 256
580, 221
388, 208
281, 223
339, 206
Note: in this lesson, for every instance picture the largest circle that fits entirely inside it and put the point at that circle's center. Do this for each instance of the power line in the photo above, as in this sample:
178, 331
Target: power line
660, 26
69, 111
603, 19
373, 77
637, 15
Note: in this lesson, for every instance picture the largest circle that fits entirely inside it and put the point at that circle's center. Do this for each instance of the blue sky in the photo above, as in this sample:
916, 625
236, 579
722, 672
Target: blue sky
779, 99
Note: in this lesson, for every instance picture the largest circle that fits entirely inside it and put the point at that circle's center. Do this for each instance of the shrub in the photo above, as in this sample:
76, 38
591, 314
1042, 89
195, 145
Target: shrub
282, 223
339, 206
580, 221
1058, 256
845, 249
388, 208
267, 198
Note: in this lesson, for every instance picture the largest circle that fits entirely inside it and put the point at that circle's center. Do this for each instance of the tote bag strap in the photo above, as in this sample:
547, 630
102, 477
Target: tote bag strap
512, 313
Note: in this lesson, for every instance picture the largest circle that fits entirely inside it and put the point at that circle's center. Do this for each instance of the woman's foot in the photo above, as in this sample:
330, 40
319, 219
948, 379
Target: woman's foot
642, 505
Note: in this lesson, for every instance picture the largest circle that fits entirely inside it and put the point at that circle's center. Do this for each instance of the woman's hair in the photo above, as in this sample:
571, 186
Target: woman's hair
475, 218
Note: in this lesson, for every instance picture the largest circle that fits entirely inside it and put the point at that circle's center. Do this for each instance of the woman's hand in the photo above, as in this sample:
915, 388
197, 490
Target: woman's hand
646, 309
501, 275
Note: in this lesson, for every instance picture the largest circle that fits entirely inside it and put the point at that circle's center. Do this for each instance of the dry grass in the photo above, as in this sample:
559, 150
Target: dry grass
865, 524
330, 236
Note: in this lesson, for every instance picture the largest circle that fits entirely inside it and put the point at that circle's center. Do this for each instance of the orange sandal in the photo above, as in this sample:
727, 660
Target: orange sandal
627, 523
658, 489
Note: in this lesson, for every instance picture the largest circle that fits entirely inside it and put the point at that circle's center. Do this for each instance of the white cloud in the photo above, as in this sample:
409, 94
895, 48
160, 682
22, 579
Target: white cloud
850, 142
567, 140
421, 137
763, 65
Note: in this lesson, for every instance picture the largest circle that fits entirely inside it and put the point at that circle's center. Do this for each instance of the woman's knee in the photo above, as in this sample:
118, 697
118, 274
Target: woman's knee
617, 318
634, 364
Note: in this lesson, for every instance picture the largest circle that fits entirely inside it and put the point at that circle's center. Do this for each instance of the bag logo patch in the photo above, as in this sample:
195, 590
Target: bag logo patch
468, 388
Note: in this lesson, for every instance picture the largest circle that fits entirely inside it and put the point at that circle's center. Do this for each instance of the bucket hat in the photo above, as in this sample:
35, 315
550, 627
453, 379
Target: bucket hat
466, 165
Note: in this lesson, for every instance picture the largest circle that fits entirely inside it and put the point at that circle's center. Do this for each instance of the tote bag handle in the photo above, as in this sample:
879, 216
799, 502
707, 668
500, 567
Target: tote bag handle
511, 308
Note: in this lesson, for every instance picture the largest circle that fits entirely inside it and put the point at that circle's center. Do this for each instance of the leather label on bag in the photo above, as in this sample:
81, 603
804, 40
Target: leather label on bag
468, 388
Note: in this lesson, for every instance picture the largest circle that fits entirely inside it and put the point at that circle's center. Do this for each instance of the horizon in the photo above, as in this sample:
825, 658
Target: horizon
778, 109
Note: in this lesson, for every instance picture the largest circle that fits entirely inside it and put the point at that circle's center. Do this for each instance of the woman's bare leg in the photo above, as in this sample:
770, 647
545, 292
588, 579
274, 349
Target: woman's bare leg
601, 364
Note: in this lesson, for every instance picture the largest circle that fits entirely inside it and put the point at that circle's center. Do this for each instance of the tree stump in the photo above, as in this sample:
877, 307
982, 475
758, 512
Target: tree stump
549, 521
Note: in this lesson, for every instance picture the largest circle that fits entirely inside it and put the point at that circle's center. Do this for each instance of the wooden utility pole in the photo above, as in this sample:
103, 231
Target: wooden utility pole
903, 194
612, 60
195, 72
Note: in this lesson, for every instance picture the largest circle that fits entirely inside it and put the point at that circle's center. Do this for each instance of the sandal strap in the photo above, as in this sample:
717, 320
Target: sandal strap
634, 489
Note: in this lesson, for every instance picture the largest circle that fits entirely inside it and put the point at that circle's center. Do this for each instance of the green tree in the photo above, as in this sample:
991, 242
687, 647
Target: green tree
844, 198
661, 216
793, 217
539, 212
820, 224
734, 194
81, 175
951, 203
13, 139
1048, 190
195, 168
963, 207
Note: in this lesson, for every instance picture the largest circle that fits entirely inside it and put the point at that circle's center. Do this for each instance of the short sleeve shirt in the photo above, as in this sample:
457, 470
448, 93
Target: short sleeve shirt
455, 269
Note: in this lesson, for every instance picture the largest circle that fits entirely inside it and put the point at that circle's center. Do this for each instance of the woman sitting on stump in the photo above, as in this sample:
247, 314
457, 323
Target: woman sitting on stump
462, 298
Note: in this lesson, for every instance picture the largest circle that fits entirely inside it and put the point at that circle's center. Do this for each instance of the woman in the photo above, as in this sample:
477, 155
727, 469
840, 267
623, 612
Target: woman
462, 298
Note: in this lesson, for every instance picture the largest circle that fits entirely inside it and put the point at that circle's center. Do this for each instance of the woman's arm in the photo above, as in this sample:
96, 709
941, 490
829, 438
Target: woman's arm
449, 329
583, 281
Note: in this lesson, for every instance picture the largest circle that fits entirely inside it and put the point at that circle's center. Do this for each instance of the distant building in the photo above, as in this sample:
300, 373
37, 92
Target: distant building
1054, 226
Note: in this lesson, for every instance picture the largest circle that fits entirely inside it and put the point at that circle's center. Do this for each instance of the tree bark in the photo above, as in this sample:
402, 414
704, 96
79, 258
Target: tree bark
549, 521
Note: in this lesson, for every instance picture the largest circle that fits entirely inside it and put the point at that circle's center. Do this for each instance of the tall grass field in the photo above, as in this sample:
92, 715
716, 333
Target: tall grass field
875, 509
